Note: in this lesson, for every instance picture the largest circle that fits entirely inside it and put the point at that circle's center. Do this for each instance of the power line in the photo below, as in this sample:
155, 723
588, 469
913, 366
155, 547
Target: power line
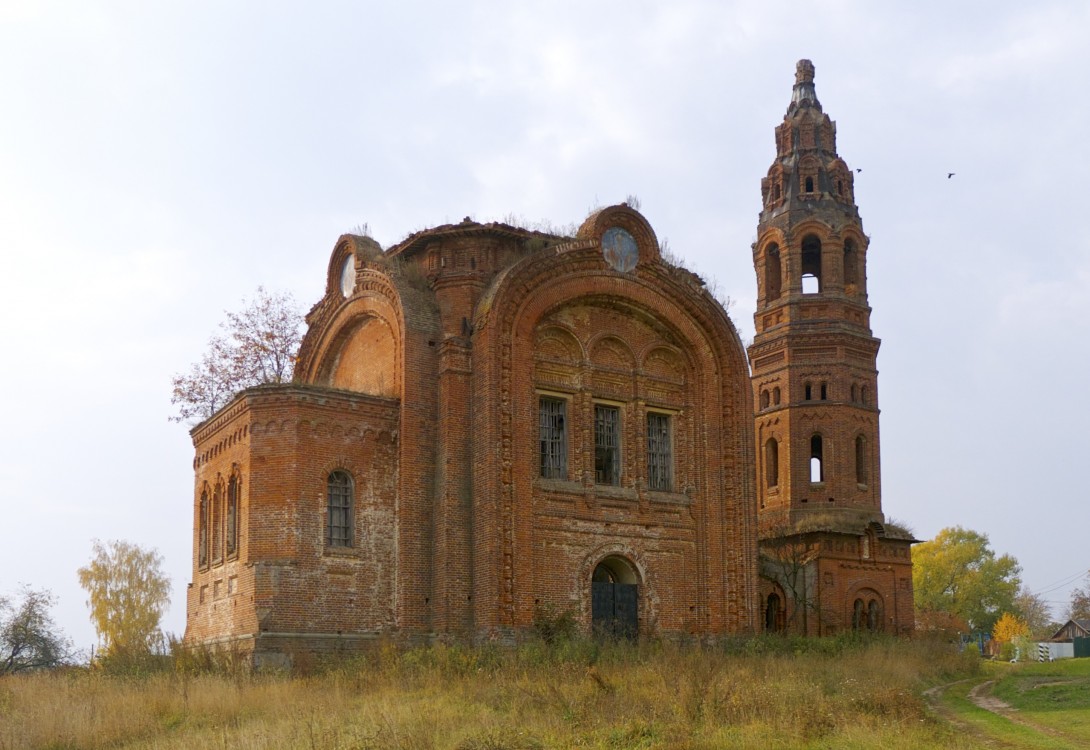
1066, 581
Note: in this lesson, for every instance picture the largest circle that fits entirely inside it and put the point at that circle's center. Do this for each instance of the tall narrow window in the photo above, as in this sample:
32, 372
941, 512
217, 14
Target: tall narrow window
776, 396
824, 391
808, 392
772, 462
607, 444
857, 615
772, 613
860, 459
217, 524
864, 396
338, 530
202, 529
874, 615
553, 437
817, 472
851, 267
772, 273
811, 265
855, 393
660, 461
764, 399
809, 184
232, 514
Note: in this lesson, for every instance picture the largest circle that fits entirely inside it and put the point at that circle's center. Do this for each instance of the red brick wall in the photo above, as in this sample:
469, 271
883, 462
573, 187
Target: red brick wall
290, 439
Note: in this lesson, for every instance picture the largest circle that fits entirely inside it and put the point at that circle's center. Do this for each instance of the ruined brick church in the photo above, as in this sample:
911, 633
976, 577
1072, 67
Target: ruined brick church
489, 423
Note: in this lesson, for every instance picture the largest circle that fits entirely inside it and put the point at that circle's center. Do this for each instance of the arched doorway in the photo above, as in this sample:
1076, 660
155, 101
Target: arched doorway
774, 614
615, 598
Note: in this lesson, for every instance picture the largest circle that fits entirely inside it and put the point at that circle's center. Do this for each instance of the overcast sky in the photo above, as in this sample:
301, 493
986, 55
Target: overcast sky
160, 161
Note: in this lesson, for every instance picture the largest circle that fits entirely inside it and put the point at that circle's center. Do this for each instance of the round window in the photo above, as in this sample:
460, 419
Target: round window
620, 250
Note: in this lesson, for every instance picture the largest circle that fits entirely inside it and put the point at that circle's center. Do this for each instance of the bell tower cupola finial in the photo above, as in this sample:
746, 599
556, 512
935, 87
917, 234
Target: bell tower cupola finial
804, 94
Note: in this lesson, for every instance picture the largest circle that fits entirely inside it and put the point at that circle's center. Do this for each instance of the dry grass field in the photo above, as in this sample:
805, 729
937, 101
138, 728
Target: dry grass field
759, 693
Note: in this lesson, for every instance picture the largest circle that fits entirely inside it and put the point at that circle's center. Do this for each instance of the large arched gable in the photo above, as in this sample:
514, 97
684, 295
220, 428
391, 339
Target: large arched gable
695, 344
360, 348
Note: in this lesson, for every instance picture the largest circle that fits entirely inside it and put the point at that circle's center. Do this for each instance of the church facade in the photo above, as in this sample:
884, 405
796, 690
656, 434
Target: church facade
490, 425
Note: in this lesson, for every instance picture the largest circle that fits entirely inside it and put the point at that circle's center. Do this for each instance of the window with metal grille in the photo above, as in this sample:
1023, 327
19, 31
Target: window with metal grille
232, 514
339, 516
553, 436
607, 445
660, 462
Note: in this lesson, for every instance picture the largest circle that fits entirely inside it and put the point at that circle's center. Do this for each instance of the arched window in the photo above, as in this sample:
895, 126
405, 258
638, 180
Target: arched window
202, 529
338, 531
776, 396
811, 265
858, 617
824, 391
809, 184
772, 462
874, 615
217, 523
773, 276
860, 459
864, 396
807, 392
764, 399
232, 514
817, 471
855, 393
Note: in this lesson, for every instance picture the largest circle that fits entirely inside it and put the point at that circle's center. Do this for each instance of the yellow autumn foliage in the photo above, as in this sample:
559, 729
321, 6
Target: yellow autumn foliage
1009, 627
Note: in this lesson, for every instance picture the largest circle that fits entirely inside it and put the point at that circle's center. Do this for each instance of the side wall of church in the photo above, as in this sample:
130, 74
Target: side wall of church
287, 576
824, 583
219, 599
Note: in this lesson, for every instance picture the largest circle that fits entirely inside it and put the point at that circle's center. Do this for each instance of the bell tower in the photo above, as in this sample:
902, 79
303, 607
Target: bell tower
813, 359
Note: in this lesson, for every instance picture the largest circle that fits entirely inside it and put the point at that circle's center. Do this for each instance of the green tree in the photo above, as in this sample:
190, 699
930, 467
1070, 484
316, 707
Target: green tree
29, 639
127, 593
259, 346
959, 574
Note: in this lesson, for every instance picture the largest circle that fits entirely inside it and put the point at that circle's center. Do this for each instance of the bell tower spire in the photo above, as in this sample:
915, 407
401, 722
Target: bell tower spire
813, 359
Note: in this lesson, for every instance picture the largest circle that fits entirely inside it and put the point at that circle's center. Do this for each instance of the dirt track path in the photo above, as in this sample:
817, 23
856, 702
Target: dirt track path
980, 694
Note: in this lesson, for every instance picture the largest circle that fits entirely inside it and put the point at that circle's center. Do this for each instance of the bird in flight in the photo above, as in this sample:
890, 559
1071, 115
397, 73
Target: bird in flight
950, 174
858, 169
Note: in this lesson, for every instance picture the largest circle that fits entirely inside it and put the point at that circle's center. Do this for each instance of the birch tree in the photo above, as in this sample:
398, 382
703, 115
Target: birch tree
127, 593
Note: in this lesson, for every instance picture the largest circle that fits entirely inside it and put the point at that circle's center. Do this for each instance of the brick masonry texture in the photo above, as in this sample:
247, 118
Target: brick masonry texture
423, 380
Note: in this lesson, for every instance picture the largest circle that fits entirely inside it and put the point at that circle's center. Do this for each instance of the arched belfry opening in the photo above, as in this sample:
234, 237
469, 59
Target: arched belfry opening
811, 265
615, 596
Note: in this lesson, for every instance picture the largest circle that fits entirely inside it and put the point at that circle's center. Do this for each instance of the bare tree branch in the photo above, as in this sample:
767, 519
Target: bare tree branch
258, 346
